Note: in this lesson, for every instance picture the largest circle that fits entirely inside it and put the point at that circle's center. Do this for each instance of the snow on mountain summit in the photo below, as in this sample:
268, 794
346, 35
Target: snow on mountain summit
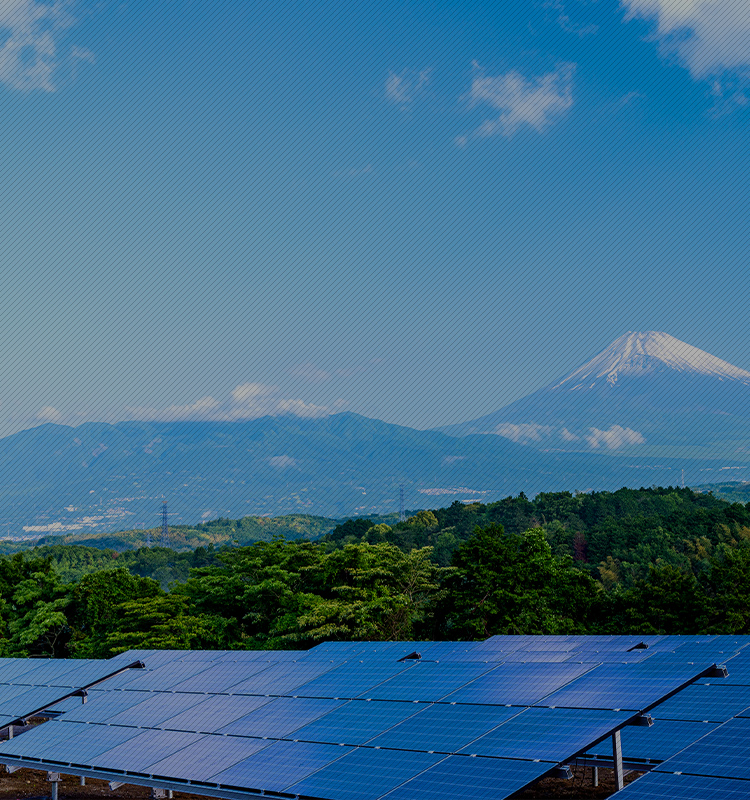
644, 353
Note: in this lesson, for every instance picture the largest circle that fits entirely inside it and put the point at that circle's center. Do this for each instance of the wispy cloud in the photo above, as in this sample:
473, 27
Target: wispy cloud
537, 102
710, 37
523, 433
403, 88
614, 437
32, 52
49, 414
246, 401
565, 22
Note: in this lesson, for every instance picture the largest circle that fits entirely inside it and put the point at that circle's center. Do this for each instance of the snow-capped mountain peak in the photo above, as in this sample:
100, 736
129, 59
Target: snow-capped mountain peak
641, 353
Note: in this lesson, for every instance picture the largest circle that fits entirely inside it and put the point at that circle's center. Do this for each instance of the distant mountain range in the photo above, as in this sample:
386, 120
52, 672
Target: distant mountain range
638, 414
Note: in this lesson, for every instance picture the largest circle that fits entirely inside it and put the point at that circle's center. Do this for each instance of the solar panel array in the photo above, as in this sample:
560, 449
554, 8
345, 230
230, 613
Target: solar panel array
363, 721
715, 763
29, 686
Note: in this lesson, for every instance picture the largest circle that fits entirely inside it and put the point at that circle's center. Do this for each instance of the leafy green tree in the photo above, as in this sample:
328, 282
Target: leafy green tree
507, 583
726, 584
369, 592
96, 607
34, 604
668, 601
164, 623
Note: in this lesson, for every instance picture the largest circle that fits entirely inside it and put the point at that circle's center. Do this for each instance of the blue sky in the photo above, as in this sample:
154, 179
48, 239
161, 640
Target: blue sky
415, 211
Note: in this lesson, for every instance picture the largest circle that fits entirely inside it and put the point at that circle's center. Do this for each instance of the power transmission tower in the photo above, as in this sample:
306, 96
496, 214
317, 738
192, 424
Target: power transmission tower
401, 514
164, 525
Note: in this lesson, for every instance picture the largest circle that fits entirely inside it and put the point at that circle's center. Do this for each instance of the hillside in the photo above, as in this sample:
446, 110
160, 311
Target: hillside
644, 561
217, 533
99, 478
615, 536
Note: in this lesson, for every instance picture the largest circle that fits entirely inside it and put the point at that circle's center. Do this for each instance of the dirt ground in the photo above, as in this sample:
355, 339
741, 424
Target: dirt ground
26, 784
580, 787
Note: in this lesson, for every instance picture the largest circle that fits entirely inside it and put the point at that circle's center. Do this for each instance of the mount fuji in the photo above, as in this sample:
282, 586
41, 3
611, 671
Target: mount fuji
647, 393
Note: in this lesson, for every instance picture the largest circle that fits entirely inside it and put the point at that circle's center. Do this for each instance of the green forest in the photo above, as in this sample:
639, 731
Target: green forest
658, 560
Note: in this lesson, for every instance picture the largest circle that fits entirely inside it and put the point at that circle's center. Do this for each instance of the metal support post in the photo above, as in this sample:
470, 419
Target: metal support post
617, 759
83, 780
596, 776
10, 731
54, 779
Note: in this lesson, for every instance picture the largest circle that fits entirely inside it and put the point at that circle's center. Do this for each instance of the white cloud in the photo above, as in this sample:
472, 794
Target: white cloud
250, 392
49, 414
536, 102
301, 409
403, 89
568, 436
246, 401
614, 437
524, 433
565, 22
282, 462
710, 37
31, 53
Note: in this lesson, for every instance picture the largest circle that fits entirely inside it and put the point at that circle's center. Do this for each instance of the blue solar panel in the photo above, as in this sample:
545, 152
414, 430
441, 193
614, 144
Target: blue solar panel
352, 679
444, 728
357, 722
739, 670
102, 705
137, 754
724, 752
620, 686
221, 677
470, 779
549, 734
658, 786
30, 699
283, 763
364, 774
67, 741
162, 678
662, 740
280, 717
540, 656
701, 701
451, 651
428, 682
214, 713
283, 678
207, 756
518, 684
157, 707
